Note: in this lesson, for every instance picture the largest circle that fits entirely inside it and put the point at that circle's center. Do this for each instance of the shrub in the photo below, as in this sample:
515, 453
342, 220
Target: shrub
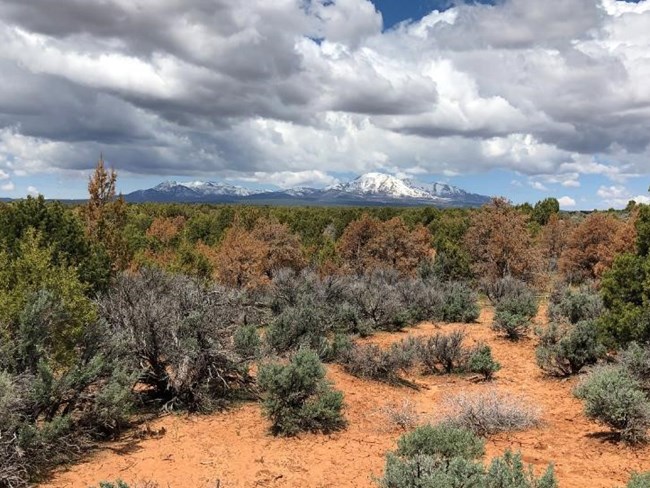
523, 304
121, 484
639, 480
247, 341
302, 325
566, 349
480, 361
613, 397
516, 305
377, 297
115, 484
34, 272
625, 295
509, 471
298, 398
181, 335
575, 306
431, 299
441, 353
423, 471
424, 299
403, 415
49, 413
335, 348
636, 361
491, 412
513, 326
372, 362
441, 441
503, 288
460, 303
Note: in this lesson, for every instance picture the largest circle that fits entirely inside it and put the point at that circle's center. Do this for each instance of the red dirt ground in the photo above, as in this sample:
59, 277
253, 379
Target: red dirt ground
233, 449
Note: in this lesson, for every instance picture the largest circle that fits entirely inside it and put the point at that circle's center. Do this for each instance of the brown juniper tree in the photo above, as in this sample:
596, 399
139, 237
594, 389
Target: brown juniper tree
368, 243
105, 215
500, 244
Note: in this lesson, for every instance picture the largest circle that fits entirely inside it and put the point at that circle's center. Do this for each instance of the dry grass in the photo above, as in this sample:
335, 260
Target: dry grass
491, 412
402, 415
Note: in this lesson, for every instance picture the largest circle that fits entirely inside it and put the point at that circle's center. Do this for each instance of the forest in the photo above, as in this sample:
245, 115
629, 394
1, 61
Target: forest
114, 316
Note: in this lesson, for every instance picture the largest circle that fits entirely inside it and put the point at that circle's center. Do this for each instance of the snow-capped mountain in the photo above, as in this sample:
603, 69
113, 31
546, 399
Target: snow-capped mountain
380, 185
367, 189
213, 188
193, 191
383, 185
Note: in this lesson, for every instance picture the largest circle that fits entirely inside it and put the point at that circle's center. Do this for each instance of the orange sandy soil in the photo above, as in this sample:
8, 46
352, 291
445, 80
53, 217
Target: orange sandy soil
233, 449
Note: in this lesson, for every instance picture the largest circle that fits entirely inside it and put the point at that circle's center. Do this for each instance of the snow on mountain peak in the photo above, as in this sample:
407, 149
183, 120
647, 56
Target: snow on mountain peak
384, 185
205, 188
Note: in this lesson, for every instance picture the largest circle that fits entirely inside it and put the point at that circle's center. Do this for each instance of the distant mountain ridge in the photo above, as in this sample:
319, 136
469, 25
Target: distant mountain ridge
367, 189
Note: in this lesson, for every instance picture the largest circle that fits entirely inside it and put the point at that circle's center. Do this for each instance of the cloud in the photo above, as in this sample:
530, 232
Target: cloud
271, 90
619, 196
32, 190
536, 185
290, 179
566, 202
8, 186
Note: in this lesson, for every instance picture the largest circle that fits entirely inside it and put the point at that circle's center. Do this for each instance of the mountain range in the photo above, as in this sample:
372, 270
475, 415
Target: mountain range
367, 189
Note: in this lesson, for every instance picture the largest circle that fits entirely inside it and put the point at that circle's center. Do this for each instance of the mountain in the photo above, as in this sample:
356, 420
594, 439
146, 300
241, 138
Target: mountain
381, 184
195, 191
367, 189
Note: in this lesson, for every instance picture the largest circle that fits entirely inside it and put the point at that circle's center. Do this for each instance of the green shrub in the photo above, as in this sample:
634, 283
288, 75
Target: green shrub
113, 404
613, 397
639, 480
441, 353
523, 304
422, 471
298, 398
441, 441
513, 326
424, 299
302, 325
335, 348
50, 413
636, 360
372, 362
460, 303
573, 306
480, 361
566, 349
247, 341
509, 472
115, 484
430, 472
515, 306
625, 295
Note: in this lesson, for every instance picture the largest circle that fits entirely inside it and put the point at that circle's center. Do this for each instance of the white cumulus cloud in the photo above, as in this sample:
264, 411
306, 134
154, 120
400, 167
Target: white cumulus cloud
566, 202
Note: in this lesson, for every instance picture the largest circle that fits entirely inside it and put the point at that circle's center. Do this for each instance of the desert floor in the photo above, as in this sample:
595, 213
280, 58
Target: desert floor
234, 449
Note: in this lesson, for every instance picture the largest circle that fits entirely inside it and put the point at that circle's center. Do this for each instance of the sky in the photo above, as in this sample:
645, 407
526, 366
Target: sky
526, 99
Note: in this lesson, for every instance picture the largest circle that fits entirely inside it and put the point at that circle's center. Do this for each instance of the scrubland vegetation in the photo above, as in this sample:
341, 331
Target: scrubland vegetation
113, 313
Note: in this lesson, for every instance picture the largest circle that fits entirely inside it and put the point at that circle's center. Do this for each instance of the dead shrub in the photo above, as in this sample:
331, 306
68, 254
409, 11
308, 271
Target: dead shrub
491, 412
402, 415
